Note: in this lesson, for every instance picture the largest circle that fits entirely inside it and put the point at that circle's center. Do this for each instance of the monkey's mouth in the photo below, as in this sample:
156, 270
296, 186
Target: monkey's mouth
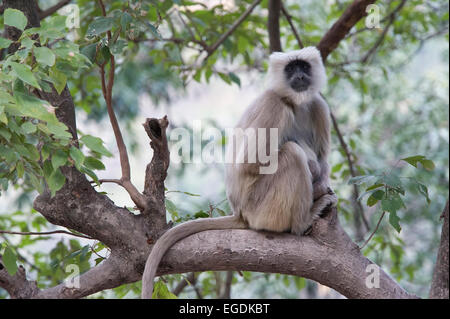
299, 87
300, 84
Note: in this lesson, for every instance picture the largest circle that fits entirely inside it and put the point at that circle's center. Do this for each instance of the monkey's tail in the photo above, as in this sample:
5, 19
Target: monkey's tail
177, 233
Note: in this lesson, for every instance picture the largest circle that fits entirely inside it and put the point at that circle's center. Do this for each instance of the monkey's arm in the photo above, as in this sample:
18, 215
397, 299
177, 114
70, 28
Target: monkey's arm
321, 122
270, 113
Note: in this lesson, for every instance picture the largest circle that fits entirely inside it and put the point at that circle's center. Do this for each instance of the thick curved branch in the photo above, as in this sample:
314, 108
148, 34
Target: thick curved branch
342, 26
327, 256
111, 273
439, 285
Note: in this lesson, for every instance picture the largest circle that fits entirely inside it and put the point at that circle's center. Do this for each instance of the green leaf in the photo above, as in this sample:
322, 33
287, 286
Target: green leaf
428, 164
15, 18
371, 201
424, 191
20, 169
234, 78
95, 144
413, 160
58, 79
44, 56
374, 186
93, 163
392, 205
59, 158
48, 169
161, 291
10, 261
99, 26
392, 180
201, 214
221, 212
125, 20
118, 46
224, 77
394, 221
90, 174
25, 74
56, 181
358, 180
77, 156
90, 51
4, 43
28, 127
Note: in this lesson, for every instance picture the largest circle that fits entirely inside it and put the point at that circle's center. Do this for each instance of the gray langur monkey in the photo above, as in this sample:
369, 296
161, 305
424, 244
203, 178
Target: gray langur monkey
290, 198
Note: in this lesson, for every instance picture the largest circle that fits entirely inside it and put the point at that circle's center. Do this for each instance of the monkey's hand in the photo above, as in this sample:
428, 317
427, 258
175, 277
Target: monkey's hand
321, 188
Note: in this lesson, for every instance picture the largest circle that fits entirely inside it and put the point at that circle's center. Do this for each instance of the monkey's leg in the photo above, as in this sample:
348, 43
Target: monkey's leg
295, 166
282, 201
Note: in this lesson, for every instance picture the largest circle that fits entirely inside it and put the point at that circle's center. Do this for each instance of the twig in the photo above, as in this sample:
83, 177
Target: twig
375, 230
235, 25
189, 280
351, 165
294, 30
107, 86
44, 233
45, 13
228, 282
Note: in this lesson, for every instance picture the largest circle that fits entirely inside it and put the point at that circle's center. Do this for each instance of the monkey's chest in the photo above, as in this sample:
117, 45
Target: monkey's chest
301, 130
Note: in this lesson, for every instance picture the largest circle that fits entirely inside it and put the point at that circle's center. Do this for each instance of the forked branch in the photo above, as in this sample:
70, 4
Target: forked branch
107, 86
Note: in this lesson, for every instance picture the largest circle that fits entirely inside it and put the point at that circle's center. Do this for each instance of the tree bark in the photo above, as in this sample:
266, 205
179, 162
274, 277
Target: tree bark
439, 285
273, 25
342, 26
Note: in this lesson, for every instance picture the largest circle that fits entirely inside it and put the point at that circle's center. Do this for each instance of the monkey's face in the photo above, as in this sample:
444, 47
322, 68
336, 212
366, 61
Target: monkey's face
298, 75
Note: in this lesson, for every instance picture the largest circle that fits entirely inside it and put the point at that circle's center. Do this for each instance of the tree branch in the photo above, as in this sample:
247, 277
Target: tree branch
327, 256
439, 286
44, 233
45, 13
17, 286
156, 173
291, 24
273, 25
375, 230
380, 39
233, 27
342, 26
357, 205
107, 86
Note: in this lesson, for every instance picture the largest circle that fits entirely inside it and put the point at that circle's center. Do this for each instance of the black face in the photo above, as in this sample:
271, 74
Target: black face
298, 75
